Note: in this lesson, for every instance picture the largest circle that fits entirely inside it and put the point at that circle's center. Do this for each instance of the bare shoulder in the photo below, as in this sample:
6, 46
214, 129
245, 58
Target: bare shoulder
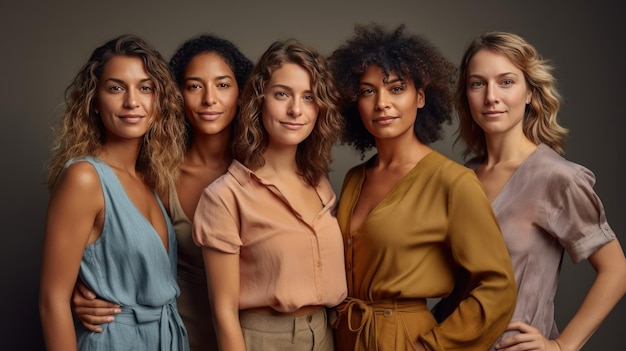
81, 177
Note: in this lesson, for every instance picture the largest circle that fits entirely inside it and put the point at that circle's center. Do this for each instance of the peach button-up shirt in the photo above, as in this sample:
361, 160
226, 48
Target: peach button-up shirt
285, 262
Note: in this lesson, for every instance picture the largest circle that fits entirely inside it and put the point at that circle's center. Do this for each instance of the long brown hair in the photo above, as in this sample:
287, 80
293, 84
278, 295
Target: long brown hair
81, 132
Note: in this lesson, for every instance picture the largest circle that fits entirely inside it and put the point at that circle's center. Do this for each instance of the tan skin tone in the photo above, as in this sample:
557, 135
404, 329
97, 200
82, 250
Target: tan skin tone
289, 115
210, 94
388, 109
76, 209
497, 93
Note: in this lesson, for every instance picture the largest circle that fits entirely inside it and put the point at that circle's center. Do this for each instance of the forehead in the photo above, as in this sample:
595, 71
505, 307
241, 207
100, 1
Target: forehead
488, 61
291, 75
208, 62
375, 74
127, 68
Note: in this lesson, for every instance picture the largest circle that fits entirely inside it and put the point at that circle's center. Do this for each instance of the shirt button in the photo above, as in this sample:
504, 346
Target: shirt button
349, 266
349, 241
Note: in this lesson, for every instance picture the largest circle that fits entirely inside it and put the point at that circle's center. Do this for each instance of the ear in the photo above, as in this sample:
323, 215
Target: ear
529, 96
421, 98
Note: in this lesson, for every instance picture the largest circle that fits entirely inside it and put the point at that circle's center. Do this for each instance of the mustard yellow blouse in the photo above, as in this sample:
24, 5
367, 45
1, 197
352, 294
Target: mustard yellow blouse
435, 222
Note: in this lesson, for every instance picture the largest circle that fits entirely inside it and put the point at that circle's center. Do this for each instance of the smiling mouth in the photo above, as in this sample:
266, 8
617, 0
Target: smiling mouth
384, 120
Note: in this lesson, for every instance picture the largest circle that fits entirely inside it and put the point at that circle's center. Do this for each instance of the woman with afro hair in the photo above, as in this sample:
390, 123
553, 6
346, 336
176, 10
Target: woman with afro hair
415, 224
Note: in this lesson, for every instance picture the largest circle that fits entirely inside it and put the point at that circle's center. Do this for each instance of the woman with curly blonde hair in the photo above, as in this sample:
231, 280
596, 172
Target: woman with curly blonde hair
272, 247
120, 144
545, 205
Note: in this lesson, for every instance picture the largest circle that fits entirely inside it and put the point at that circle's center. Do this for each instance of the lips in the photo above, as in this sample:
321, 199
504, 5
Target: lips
209, 116
384, 119
131, 118
292, 126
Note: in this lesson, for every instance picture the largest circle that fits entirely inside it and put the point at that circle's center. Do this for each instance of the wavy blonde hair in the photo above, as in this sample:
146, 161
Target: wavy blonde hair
540, 118
81, 132
314, 154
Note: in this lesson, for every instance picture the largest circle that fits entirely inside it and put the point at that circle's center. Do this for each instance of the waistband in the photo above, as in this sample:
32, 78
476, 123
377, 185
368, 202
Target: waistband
172, 331
366, 329
278, 323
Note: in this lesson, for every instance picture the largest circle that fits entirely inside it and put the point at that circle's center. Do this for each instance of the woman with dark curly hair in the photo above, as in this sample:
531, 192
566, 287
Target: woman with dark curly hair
119, 144
412, 220
210, 72
508, 105
271, 244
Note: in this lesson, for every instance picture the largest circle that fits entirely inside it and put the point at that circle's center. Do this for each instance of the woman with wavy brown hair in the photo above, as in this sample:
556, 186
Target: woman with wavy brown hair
271, 244
119, 144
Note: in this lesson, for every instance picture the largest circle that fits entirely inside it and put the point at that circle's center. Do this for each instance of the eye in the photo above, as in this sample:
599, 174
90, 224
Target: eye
366, 91
476, 84
281, 95
223, 85
146, 88
115, 88
194, 86
308, 97
397, 89
507, 82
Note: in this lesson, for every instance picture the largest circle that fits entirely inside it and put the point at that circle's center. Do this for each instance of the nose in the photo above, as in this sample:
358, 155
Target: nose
209, 96
131, 99
491, 94
381, 101
295, 108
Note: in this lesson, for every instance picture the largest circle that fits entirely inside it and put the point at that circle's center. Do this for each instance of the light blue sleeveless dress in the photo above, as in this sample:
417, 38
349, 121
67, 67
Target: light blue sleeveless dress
129, 265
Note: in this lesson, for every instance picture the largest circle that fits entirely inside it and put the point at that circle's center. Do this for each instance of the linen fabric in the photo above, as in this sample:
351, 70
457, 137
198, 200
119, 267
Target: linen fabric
285, 262
193, 301
310, 332
129, 265
434, 223
548, 206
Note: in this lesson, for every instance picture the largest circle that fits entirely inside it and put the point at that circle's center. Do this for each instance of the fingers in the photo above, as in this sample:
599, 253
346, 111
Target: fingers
522, 327
91, 318
84, 291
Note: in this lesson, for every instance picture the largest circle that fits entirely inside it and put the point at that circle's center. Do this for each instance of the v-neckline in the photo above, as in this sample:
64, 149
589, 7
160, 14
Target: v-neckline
146, 221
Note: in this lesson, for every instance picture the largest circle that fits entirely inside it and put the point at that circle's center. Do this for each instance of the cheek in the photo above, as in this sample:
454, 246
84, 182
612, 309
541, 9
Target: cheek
364, 108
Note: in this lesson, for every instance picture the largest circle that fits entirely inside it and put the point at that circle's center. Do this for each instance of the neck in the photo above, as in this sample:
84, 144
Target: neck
209, 149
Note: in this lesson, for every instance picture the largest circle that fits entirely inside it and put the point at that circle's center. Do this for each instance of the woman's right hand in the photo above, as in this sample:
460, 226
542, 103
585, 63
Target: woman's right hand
90, 310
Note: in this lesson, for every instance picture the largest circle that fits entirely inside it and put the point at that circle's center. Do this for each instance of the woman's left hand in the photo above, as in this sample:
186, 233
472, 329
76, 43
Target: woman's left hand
529, 338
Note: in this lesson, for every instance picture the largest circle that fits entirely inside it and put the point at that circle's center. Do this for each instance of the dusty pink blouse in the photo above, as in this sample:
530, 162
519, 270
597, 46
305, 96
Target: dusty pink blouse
548, 206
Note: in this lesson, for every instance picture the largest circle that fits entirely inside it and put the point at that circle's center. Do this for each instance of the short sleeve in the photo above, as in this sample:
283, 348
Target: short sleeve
215, 223
577, 218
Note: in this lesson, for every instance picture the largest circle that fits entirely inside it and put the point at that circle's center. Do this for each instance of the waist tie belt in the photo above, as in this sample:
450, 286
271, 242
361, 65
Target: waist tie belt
172, 333
366, 329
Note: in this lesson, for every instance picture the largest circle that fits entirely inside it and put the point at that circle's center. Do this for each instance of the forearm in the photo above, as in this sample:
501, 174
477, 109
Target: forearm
606, 291
58, 327
229, 334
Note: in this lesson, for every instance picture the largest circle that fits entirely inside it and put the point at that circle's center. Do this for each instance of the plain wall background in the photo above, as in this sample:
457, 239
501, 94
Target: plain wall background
43, 46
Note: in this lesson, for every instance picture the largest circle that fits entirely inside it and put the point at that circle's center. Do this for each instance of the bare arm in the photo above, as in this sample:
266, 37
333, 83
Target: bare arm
73, 211
90, 310
222, 271
606, 291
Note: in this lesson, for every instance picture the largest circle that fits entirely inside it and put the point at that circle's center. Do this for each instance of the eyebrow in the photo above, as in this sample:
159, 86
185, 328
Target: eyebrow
398, 79
121, 81
476, 75
216, 78
286, 87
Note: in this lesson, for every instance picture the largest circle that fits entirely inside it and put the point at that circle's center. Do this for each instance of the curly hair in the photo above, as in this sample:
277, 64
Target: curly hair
540, 118
81, 132
207, 43
314, 154
410, 57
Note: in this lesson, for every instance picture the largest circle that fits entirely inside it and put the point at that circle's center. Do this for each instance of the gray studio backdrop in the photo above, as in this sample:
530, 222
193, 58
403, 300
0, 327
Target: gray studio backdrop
44, 44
